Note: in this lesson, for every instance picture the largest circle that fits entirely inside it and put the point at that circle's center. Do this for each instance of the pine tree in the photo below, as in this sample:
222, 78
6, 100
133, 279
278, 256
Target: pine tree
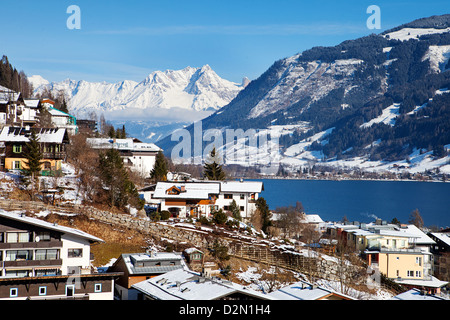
63, 106
265, 214
159, 172
212, 168
121, 190
235, 211
33, 155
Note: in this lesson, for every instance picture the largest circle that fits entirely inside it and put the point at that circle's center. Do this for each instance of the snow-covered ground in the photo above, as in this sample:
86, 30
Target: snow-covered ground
413, 33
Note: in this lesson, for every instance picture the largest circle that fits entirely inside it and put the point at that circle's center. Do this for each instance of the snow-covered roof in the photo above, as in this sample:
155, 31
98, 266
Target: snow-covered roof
241, 186
142, 146
47, 225
421, 237
416, 294
444, 237
32, 103
131, 260
192, 250
122, 144
432, 283
7, 95
188, 285
192, 190
58, 113
304, 291
313, 218
19, 134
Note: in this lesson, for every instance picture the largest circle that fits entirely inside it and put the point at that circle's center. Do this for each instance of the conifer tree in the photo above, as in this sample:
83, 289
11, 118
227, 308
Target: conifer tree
212, 168
235, 211
121, 190
63, 106
33, 155
159, 172
265, 214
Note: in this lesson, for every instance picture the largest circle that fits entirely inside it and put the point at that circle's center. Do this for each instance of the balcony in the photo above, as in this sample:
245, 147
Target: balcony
32, 245
32, 263
54, 155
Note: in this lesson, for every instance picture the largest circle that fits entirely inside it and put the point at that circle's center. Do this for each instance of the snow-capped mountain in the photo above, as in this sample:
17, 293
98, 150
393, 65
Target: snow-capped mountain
371, 103
193, 92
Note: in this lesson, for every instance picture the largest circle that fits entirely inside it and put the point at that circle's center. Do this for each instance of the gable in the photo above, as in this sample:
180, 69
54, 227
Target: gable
173, 190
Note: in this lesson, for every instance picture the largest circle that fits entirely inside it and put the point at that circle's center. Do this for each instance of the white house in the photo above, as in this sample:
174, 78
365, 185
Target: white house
139, 156
200, 198
42, 260
59, 118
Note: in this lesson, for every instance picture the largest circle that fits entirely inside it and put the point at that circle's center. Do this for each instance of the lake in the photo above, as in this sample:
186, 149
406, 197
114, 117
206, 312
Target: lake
363, 201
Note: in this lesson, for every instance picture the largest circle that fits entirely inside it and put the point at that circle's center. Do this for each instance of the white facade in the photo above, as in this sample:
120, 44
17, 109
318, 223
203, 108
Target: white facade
75, 255
200, 198
140, 156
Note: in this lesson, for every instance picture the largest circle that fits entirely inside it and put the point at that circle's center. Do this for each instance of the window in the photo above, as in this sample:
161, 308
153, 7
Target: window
228, 196
75, 253
242, 196
17, 273
43, 236
42, 291
46, 272
17, 148
13, 292
17, 255
410, 273
98, 287
49, 254
17, 165
418, 274
14, 237
419, 261
241, 208
70, 290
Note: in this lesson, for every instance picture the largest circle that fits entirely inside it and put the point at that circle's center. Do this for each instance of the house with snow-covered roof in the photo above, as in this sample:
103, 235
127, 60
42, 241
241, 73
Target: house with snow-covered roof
138, 156
11, 106
188, 285
303, 290
40, 260
59, 118
198, 198
137, 267
52, 141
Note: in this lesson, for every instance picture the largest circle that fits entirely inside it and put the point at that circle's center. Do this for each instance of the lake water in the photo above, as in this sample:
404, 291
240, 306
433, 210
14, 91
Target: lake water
363, 200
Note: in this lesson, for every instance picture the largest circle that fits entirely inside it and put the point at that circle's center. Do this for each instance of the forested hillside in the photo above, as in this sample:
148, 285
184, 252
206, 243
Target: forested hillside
403, 73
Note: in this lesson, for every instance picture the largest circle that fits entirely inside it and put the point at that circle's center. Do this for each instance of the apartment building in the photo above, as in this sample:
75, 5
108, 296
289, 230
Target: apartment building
400, 252
42, 260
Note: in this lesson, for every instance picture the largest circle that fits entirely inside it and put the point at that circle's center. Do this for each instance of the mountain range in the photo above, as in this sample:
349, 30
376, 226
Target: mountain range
379, 102
172, 95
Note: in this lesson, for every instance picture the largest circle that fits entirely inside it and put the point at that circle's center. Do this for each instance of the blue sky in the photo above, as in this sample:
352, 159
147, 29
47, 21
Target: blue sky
121, 40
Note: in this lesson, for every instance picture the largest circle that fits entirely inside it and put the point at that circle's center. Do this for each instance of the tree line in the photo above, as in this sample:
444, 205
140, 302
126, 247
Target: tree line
13, 79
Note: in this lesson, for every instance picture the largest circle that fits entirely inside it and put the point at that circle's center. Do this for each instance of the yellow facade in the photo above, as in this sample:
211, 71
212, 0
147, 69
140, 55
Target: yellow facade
20, 163
403, 265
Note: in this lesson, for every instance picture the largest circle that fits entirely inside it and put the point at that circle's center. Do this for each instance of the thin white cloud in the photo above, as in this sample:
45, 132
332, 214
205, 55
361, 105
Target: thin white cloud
273, 29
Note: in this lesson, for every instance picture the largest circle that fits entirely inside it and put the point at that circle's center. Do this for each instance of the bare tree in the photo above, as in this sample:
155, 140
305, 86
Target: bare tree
416, 219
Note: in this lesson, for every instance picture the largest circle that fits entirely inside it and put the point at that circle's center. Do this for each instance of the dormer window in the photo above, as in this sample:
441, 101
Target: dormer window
17, 148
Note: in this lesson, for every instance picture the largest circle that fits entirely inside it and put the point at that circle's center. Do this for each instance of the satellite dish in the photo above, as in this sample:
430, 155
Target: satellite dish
37, 239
